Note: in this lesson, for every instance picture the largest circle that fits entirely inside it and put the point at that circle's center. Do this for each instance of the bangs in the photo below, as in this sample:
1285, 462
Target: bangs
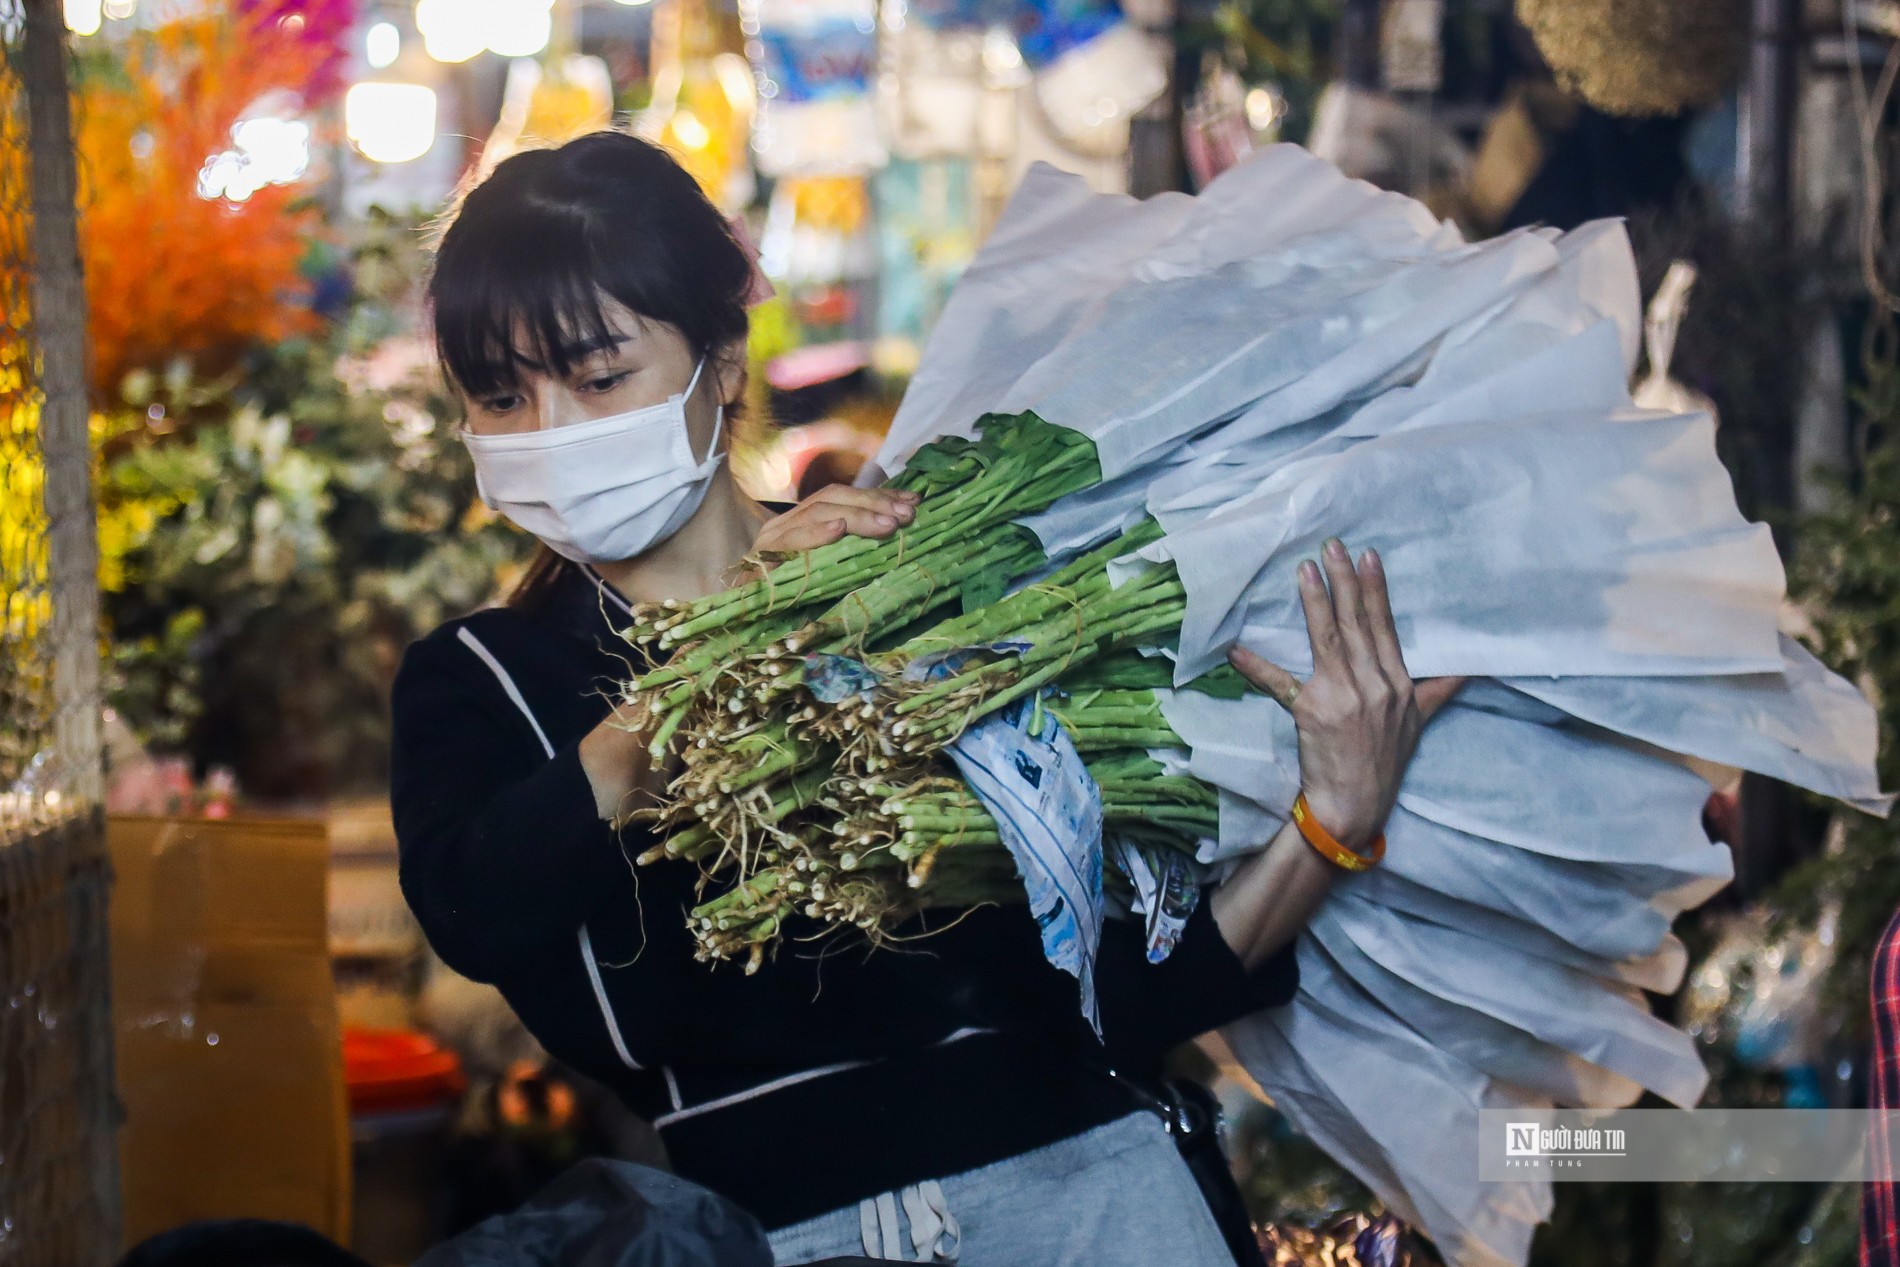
518, 291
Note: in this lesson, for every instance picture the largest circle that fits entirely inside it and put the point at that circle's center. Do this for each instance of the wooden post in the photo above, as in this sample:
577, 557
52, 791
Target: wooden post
59, 331
58, 334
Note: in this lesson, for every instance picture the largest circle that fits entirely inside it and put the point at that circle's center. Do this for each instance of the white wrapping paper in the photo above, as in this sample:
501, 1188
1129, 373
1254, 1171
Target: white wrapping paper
1167, 357
1569, 543
1552, 791
1491, 1045
1063, 259
1659, 971
1803, 724
1617, 913
1401, 1112
1606, 1025
1589, 800
1294, 355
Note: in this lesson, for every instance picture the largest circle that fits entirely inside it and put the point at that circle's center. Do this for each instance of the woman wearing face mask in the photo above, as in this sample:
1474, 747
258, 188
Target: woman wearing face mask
942, 1102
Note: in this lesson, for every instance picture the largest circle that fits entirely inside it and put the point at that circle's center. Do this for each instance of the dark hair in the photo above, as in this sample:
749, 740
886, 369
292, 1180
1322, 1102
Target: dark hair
533, 252
240, 1243
827, 467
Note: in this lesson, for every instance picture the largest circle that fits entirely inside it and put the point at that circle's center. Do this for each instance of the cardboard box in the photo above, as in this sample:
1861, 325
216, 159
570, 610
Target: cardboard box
230, 1061
376, 946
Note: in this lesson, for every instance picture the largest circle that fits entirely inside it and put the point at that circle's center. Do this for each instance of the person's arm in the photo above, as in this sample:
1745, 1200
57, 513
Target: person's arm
1358, 718
1267, 901
504, 850
1147, 1009
615, 754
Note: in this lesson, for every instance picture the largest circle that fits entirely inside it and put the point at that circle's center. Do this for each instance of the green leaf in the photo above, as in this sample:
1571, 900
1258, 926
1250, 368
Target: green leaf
931, 458
1224, 682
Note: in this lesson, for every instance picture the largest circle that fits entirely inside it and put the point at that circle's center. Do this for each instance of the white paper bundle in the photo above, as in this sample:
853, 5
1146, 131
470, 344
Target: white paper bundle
1294, 356
1571, 543
1061, 255
1659, 970
1430, 1000
1165, 357
1802, 724
1400, 1112
1576, 320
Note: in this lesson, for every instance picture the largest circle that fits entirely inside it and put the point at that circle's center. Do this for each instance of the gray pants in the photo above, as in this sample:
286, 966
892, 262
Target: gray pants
1117, 1196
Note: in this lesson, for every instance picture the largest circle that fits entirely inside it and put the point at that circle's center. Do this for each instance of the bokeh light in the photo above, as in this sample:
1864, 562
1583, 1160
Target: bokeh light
390, 123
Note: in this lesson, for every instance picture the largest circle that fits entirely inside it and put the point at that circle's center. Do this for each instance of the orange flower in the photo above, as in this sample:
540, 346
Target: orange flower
171, 274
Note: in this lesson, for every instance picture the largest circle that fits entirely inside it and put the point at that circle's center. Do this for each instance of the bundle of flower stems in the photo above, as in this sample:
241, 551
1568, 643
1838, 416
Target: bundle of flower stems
812, 705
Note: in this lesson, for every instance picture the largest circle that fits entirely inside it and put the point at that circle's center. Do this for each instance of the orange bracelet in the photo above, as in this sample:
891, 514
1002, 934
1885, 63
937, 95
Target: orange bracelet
1328, 846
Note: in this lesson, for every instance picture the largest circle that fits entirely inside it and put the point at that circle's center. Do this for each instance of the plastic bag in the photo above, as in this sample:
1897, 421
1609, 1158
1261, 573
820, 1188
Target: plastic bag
605, 1213
1026, 771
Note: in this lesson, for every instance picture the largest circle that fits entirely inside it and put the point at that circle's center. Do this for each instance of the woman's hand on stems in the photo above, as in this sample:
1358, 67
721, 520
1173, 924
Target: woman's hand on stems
618, 767
1359, 715
615, 756
834, 512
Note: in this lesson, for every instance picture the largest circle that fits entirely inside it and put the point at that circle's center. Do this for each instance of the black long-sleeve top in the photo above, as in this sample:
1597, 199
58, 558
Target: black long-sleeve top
830, 1075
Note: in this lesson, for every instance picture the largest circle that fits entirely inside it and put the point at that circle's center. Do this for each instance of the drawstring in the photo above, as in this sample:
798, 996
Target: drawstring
934, 1234
877, 1225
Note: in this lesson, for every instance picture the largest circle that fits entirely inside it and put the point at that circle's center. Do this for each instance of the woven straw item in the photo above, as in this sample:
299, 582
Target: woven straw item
1640, 57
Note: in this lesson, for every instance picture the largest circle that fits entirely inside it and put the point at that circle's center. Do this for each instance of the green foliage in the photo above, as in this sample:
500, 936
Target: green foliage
1847, 571
1701, 1225
318, 515
1705, 1225
1288, 1179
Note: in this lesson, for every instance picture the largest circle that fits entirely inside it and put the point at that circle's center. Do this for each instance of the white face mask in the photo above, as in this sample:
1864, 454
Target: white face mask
600, 491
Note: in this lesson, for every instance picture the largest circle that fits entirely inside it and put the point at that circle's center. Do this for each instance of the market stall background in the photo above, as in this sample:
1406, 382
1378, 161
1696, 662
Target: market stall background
282, 506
